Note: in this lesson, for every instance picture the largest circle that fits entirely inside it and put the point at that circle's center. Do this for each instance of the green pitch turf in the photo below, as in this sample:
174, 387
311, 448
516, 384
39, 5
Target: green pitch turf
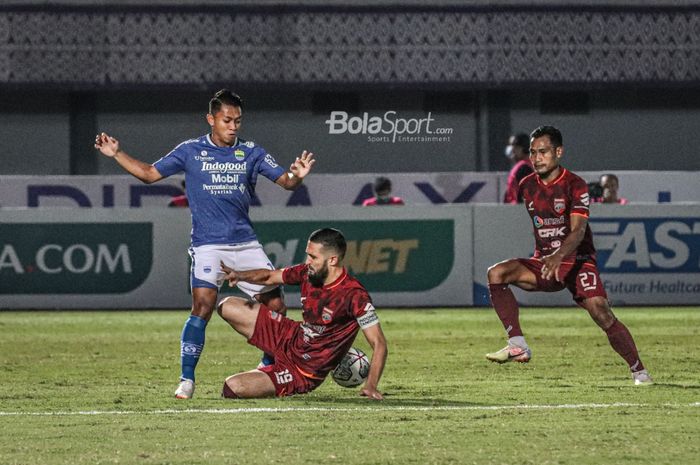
96, 388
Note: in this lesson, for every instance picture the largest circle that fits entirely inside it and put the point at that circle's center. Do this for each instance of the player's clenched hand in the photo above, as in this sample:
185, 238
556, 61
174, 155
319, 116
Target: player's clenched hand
550, 266
302, 165
106, 144
229, 275
371, 394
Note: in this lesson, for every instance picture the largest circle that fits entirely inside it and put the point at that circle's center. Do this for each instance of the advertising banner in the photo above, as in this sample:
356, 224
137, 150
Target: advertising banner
137, 258
323, 189
317, 190
647, 255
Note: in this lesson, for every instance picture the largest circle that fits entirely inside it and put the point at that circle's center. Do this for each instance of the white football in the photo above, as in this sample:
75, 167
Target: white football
352, 369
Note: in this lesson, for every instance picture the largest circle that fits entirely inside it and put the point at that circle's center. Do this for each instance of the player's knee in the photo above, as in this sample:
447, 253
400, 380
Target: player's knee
226, 308
228, 391
600, 311
495, 274
231, 308
202, 309
273, 300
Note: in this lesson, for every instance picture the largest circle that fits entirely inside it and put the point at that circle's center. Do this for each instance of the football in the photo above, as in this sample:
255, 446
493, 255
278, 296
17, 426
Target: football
352, 370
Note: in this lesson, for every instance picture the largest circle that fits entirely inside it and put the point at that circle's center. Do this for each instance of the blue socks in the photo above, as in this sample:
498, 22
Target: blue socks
191, 345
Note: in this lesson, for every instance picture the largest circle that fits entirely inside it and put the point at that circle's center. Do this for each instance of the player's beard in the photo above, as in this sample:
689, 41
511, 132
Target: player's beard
318, 277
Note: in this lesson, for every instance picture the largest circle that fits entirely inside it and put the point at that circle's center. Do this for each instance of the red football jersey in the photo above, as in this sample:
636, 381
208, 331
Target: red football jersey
333, 314
550, 206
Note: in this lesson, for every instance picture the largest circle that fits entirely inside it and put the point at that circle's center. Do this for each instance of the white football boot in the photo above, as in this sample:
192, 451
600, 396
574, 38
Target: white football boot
642, 378
185, 390
510, 354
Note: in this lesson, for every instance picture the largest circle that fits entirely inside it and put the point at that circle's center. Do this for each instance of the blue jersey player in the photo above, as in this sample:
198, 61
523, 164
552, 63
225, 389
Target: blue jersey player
221, 171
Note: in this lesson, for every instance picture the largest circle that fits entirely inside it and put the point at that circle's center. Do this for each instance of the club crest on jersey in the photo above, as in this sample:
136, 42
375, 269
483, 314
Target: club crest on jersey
327, 314
239, 154
559, 205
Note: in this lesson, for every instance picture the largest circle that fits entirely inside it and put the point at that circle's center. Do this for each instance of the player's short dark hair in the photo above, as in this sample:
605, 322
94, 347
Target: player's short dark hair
224, 97
522, 140
553, 133
383, 185
330, 238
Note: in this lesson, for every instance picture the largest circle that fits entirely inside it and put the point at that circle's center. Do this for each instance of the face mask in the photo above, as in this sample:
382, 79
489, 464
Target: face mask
508, 152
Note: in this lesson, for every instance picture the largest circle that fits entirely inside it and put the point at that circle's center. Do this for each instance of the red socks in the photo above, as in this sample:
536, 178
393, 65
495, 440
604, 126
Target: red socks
621, 340
506, 307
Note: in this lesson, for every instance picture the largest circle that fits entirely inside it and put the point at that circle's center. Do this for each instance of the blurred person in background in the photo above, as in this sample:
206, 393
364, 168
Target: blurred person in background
382, 194
180, 200
517, 151
610, 185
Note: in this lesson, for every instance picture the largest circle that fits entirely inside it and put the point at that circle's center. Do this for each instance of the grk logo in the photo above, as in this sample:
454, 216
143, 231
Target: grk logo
552, 232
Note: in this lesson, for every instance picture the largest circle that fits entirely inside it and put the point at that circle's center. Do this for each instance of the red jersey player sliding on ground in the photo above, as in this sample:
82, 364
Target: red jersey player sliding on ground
335, 306
557, 201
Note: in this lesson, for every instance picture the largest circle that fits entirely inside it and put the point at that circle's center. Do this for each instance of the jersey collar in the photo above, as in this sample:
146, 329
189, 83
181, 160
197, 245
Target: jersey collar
340, 279
561, 175
211, 142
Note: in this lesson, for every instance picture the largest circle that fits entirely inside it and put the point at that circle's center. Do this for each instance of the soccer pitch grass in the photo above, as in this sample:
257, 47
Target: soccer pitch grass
97, 388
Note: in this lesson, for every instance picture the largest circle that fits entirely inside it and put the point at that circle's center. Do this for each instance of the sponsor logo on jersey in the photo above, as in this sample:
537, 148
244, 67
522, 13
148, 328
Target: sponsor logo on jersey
327, 314
552, 232
239, 154
539, 221
530, 206
207, 269
585, 199
270, 160
559, 205
227, 167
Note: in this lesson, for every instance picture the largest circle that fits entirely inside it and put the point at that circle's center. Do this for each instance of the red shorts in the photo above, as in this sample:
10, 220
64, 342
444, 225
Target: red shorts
581, 278
274, 334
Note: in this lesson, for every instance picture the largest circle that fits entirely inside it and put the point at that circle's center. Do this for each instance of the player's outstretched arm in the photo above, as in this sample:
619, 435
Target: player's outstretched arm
261, 276
298, 171
109, 147
376, 339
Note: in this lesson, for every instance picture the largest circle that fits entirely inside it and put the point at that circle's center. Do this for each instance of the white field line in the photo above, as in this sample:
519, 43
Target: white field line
367, 409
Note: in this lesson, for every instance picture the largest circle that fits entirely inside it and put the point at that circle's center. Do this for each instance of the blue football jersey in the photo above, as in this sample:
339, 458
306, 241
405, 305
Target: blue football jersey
220, 182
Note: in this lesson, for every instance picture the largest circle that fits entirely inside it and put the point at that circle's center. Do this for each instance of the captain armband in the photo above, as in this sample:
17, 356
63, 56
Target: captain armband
370, 318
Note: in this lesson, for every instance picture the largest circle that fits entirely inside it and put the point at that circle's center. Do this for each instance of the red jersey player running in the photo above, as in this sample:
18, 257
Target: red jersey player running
557, 201
334, 307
